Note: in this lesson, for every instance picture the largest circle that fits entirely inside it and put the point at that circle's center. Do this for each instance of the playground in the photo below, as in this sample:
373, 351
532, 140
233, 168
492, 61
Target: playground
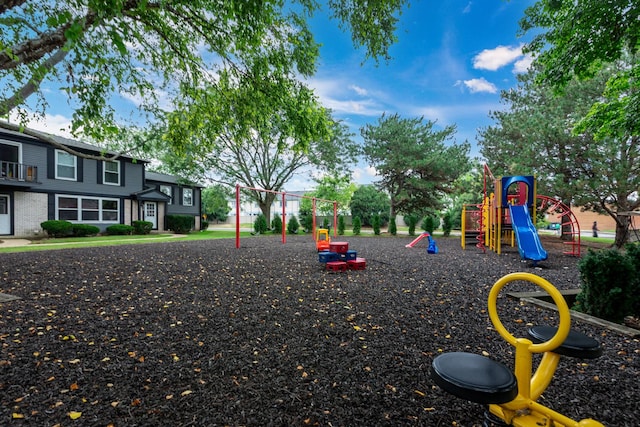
202, 333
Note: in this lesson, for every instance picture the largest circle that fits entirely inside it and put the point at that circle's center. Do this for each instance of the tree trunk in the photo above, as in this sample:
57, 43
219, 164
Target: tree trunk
622, 230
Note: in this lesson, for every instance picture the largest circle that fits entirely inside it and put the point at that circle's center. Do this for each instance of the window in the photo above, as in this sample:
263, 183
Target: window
166, 189
187, 197
66, 166
111, 173
87, 209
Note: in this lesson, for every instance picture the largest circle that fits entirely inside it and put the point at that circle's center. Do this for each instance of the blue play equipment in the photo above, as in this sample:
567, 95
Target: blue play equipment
526, 234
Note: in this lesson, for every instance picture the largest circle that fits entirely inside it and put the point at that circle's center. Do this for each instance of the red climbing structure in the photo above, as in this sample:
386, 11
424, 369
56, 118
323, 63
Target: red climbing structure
569, 225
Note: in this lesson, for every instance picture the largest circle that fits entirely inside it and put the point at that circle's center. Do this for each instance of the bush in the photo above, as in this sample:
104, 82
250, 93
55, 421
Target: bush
428, 224
393, 228
375, 224
84, 230
357, 224
57, 228
447, 224
411, 221
276, 224
119, 230
142, 227
204, 224
180, 224
609, 285
633, 253
293, 225
341, 225
260, 224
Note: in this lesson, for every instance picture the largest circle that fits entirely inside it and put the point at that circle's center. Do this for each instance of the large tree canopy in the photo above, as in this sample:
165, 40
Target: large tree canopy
258, 159
416, 165
580, 37
146, 49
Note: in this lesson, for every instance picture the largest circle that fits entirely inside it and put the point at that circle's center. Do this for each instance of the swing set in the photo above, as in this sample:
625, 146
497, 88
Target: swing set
284, 211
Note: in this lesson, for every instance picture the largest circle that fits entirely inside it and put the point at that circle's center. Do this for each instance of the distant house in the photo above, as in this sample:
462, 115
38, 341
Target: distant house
40, 182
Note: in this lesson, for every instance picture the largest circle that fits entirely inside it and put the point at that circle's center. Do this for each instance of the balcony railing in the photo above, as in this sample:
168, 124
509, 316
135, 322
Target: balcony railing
10, 171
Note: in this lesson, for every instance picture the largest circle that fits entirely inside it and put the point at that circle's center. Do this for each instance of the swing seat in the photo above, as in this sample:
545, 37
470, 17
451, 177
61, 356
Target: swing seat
474, 377
576, 344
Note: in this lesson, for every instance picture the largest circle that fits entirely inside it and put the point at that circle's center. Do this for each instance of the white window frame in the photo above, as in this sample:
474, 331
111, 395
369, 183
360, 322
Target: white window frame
187, 200
105, 172
101, 210
74, 166
167, 190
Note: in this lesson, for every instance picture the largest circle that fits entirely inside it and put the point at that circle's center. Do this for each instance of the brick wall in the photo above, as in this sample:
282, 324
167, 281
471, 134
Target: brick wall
30, 210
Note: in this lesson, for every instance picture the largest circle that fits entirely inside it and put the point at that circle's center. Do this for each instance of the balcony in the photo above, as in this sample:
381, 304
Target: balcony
17, 174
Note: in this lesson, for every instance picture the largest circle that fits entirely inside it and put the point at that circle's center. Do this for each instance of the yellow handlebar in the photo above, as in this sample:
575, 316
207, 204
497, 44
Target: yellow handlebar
558, 299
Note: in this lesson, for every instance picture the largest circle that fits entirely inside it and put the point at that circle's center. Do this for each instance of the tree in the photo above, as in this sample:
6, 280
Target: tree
215, 202
259, 161
535, 136
416, 166
580, 38
251, 53
368, 201
337, 187
468, 189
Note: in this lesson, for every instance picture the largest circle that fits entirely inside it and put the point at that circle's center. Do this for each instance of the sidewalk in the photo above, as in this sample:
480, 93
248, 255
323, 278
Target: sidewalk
10, 243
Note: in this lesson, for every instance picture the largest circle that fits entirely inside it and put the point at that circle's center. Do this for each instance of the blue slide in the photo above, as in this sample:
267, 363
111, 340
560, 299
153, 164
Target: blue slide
526, 234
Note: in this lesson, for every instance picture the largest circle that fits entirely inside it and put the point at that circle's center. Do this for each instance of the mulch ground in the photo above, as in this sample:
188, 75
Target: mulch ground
204, 334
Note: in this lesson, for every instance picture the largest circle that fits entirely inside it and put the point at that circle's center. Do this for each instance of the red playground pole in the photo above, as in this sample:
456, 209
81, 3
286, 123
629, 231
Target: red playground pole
335, 219
237, 216
284, 219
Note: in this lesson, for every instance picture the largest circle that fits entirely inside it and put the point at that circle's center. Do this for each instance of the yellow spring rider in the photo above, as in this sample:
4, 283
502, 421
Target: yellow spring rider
512, 396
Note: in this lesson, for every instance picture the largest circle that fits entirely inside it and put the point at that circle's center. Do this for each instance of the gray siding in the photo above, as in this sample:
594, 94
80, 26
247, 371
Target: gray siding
88, 182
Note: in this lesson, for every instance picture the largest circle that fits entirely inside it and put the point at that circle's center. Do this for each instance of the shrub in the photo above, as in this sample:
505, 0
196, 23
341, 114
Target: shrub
341, 225
57, 228
293, 225
276, 224
204, 225
119, 230
142, 227
180, 224
393, 228
84, 230
357, 224
447, 224
609, 285
411, 221
428, 224
260, 224
375, 224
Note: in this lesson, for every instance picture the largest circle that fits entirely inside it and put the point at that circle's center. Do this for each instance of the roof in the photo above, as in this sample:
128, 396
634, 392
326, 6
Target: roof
72, 143
151, 194
169, 179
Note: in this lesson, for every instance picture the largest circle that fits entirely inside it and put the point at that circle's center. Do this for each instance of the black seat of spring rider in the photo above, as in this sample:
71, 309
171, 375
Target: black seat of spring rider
475, 378
479, 379
576, 344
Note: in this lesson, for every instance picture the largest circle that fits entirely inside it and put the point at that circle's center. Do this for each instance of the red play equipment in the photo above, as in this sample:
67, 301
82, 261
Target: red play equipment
417, 239
284, 211
491, 221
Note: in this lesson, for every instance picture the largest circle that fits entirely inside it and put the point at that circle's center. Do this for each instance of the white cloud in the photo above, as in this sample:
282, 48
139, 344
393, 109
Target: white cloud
54, 124
364, 174
360, 91
492, 59
479, 85
332, 94
467, 8
522, 65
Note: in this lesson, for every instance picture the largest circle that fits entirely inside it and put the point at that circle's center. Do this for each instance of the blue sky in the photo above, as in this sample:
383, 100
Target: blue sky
452, 59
